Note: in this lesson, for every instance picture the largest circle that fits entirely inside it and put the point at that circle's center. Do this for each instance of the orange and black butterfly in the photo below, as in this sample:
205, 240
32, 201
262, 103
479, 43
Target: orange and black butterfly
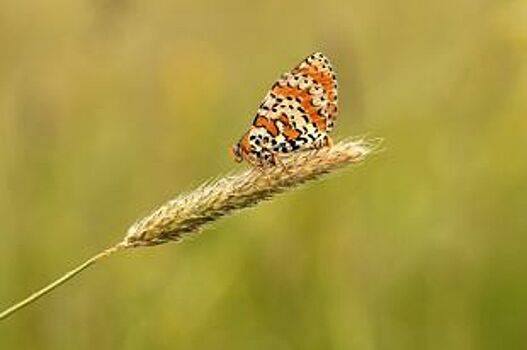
297, 113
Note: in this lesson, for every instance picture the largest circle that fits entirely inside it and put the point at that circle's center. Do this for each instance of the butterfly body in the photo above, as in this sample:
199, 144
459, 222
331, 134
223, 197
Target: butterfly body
297, 113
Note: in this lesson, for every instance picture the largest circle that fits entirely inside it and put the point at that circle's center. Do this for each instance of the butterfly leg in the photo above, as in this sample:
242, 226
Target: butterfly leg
271, 159
262, 164
325, 142
329, 142
278, 162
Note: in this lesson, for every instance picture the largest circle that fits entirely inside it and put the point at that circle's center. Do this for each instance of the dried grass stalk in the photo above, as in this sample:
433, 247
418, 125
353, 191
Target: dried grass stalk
189, 212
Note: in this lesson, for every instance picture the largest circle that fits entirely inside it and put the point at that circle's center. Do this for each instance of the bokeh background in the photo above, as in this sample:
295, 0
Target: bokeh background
108, 108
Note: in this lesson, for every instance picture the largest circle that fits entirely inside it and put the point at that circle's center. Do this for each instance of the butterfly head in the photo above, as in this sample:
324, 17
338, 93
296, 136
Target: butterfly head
236, 153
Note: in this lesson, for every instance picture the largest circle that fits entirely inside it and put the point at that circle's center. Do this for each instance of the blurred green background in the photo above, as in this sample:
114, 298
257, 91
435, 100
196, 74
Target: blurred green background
108, 108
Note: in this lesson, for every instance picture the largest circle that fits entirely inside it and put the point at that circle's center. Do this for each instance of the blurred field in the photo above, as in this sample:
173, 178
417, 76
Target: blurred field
108, 108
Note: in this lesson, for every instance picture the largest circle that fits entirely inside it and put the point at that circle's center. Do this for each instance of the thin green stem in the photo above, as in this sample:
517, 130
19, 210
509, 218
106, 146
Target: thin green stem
66, 277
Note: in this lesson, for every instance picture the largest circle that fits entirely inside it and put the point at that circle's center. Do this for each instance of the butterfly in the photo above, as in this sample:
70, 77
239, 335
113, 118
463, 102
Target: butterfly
297, 114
